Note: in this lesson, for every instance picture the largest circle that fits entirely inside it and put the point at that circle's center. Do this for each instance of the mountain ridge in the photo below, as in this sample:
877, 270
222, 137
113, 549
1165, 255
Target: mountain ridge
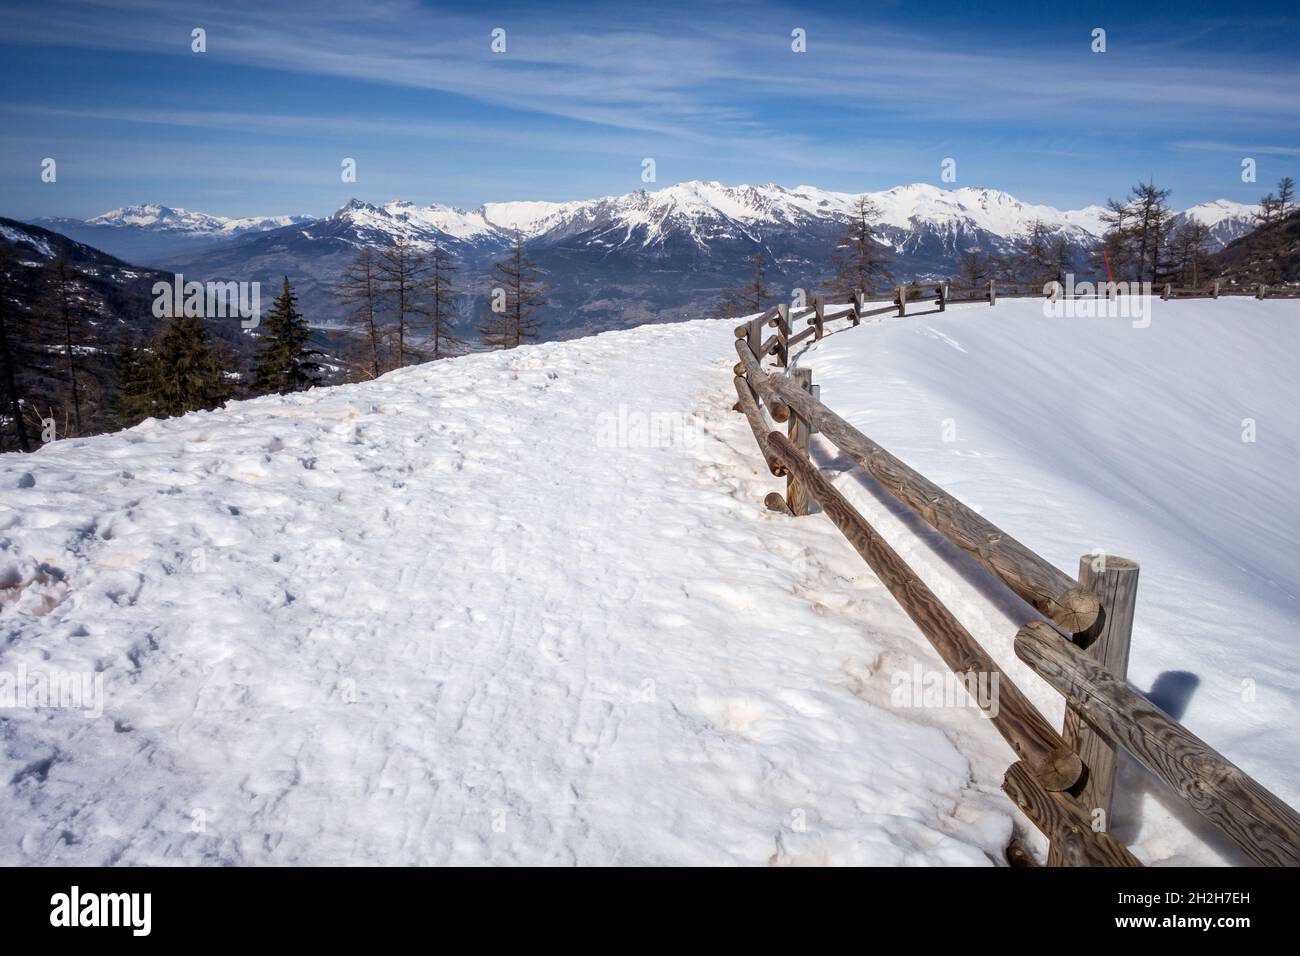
616, 261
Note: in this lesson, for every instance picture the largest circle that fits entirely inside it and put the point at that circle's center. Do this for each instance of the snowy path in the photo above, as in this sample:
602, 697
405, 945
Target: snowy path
467, 614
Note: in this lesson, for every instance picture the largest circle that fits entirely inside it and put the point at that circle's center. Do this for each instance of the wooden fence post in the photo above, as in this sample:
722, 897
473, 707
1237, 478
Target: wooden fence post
901, 294
782, 323
1114, 581
859, 306
1168, 293
943, 297
1263, 291
1215, 292
819, 316
799, 431
755, 337
993, 292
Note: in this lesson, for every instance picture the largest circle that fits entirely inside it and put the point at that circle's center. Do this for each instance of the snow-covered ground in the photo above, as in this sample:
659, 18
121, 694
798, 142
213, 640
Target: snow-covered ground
527, 607
484, 611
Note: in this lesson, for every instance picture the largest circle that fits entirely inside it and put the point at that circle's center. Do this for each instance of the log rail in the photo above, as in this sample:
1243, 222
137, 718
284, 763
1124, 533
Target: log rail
1063, 781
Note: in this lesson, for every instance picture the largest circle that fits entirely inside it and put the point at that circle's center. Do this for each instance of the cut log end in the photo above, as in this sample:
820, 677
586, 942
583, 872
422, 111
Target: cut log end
742, 331
775, 501
779, 412
1018, 854
1077, 610
1059, 770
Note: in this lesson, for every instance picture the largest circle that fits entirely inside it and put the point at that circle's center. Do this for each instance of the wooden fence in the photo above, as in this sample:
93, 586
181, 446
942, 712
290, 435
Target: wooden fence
1064, 780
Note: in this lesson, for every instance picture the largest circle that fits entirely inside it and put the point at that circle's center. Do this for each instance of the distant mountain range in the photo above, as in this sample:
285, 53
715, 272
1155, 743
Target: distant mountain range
143, 234
612, 262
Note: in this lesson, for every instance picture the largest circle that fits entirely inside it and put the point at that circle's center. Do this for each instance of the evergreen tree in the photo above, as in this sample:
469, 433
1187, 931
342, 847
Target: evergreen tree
284, 361
11, 354
359, 292
134, 378
442, 304
515, 300
861, 262
186, 373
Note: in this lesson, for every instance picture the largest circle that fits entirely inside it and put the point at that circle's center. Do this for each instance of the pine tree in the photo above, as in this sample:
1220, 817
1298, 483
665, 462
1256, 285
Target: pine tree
400, 269
187, 373
517, 295
284, 361
861, 262
62, 313
359, 292
442, 304
10, 353
134, 375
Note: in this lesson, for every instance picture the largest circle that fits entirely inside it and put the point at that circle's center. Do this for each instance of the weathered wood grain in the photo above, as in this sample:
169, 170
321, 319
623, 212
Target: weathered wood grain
757, 424
758, 381
1046, 588
1256, 820
1058, 816
799, 432
1114, 580
1052, 762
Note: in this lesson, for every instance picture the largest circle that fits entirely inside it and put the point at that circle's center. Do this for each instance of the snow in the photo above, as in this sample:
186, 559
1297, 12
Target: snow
545, 578
532, 218
1221, 210
1086, 434
42, 246
154, 216
704, 209
527, 608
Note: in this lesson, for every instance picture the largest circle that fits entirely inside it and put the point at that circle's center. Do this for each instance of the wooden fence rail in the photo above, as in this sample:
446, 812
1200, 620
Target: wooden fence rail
1063, 781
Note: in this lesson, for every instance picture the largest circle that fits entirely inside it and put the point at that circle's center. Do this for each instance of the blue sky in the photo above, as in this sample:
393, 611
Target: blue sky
584, 92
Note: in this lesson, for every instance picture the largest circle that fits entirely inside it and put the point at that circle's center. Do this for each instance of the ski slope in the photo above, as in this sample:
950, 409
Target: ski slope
526, 608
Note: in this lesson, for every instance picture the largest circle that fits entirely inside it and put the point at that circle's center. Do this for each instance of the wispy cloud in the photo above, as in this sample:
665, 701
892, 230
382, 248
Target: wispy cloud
585, 91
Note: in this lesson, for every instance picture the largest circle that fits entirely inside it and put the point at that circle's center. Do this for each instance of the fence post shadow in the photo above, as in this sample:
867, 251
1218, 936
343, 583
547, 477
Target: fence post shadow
1172, 692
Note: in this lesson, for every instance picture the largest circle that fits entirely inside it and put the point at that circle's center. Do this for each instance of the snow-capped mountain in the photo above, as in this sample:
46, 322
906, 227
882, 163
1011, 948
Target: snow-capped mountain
167, 219
145, 234
615, 261
705, 212
1227, 220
